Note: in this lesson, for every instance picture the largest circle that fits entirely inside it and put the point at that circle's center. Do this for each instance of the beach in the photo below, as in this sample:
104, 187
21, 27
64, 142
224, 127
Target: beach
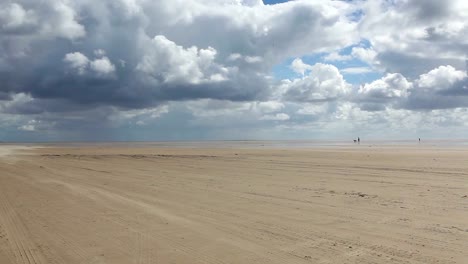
233, 203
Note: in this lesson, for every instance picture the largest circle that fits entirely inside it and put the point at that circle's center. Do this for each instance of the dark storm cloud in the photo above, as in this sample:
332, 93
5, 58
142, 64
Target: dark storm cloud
456, 95
428, 101
5, 96
373, 107
428, 10
459, 88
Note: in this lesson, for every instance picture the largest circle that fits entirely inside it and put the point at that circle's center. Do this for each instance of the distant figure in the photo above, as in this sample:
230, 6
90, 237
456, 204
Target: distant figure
419, 140
358, 140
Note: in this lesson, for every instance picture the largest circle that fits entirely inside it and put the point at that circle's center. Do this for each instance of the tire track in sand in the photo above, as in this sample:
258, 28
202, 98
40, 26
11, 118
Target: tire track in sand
24, 250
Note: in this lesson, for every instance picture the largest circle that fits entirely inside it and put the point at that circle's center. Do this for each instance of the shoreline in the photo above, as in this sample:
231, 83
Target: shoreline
254, 144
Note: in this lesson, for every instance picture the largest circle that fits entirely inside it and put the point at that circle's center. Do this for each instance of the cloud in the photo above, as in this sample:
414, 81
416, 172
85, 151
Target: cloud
367, 55
356, 70
382, 93
77, 62
269, 106
413, 37
29, 126
313, 109
46, 20
78, 66
299, 66
393, 85
13, 18
167, 62
334, 56
139, 54
140, 117
102, 66
324, 83
276, 117
441, 78
440, 88
64, 24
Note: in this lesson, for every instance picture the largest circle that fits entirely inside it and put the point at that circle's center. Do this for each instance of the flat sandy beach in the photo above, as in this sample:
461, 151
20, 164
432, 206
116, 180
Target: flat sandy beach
146, 203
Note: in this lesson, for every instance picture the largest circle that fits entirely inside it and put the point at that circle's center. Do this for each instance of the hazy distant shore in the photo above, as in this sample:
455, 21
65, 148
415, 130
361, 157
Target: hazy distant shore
286, 144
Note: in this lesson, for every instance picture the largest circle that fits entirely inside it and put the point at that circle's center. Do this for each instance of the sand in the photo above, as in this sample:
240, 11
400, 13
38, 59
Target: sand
9, 150
148, 204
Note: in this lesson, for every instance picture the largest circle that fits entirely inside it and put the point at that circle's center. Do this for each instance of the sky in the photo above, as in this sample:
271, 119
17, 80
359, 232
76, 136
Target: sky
142, 70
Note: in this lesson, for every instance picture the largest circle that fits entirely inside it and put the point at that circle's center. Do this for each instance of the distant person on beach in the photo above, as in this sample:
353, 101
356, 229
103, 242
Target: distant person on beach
419, 140
358, 140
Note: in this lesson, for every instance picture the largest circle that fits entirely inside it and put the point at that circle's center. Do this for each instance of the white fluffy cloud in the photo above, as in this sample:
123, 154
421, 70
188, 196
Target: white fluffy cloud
102, 66
442, 87
77, 61
168, 62
441, 78
50, 18
300, 67
393, 85
14, 17
80, 64
323, 83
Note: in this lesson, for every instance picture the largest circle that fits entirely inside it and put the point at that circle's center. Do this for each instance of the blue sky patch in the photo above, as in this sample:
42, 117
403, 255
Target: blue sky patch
272, 2
354, 70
